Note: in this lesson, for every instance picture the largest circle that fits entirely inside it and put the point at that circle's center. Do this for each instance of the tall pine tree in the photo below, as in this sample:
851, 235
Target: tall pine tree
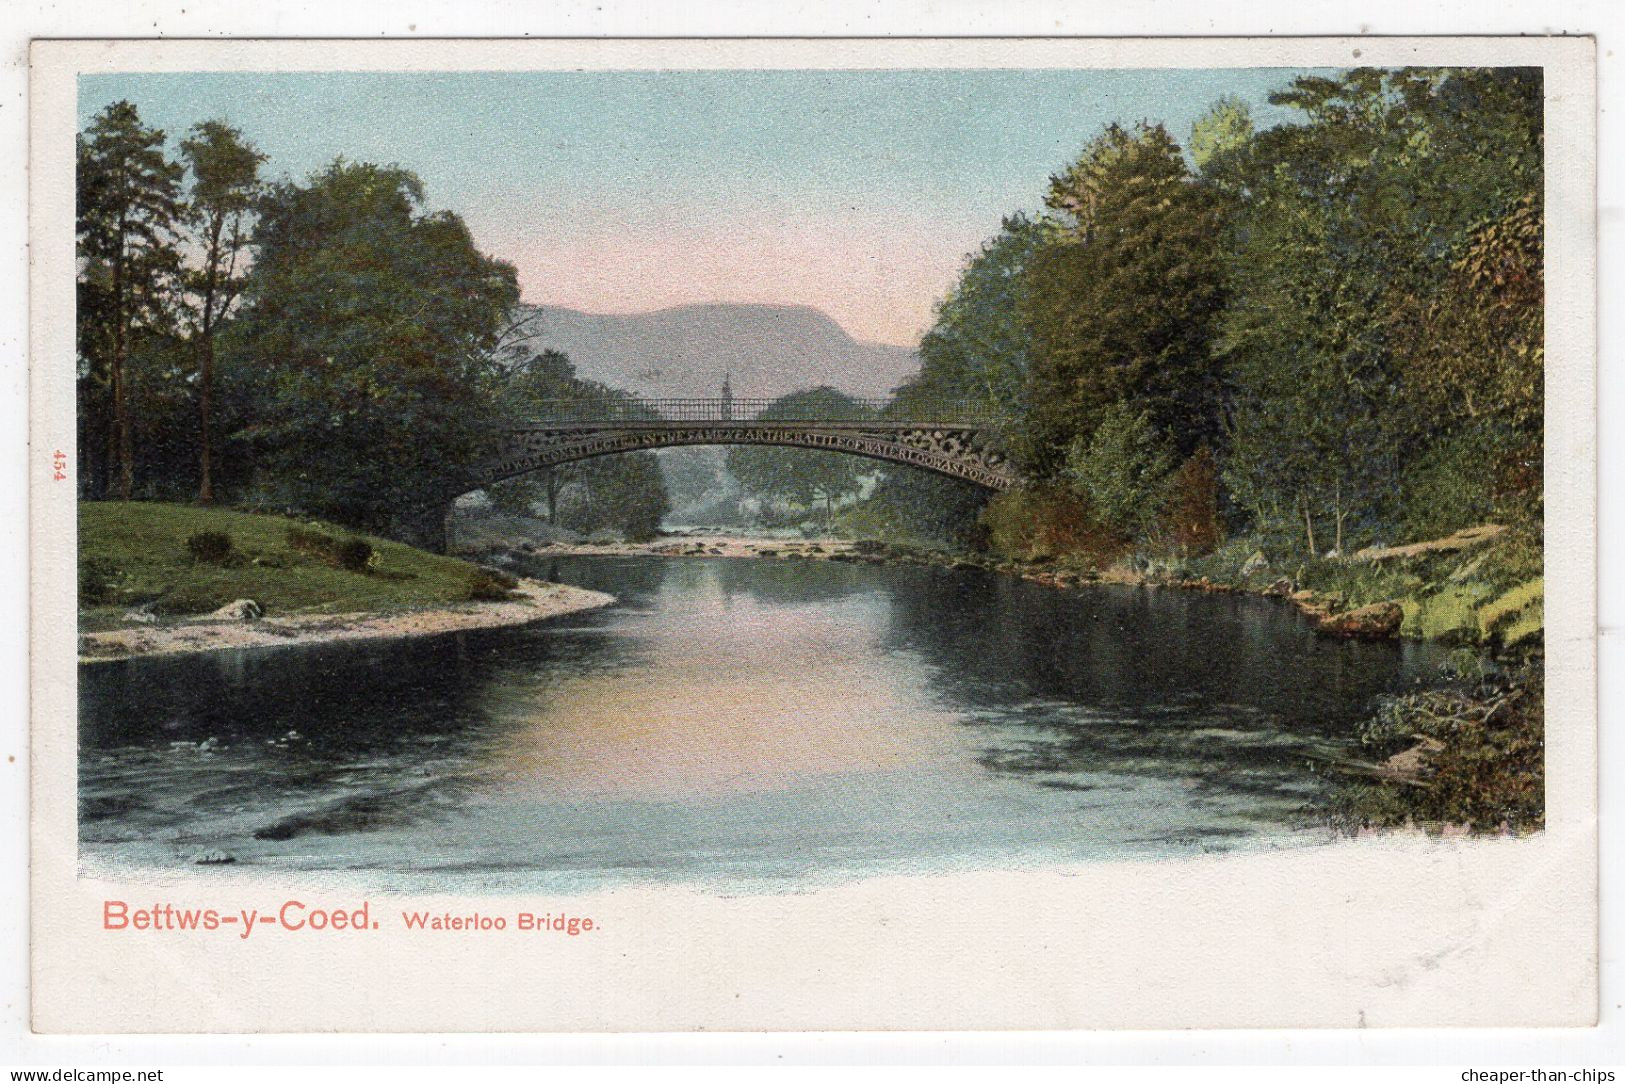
127, 194
1121, 304
225, 184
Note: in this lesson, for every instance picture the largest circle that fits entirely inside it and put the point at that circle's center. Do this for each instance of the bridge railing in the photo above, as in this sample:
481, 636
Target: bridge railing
575, 411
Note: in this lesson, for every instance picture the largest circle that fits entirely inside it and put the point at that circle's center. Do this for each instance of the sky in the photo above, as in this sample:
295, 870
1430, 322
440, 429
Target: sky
859, 193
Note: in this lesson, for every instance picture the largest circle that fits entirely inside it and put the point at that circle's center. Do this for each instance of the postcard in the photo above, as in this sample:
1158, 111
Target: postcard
645, 535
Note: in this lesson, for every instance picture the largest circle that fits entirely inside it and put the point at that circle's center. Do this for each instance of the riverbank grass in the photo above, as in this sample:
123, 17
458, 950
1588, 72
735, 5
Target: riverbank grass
167, 559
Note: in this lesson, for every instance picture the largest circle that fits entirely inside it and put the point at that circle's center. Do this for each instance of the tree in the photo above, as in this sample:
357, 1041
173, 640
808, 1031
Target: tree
978, 350
1348, 224
225, 185
1222, 131
126, 202
528, 385
1121, 304
1473, 361
1123, 471
625, 493
368, 332
798, 476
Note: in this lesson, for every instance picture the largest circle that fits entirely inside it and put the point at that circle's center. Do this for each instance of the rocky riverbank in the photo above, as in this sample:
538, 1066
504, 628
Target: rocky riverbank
529, 601
1380, 620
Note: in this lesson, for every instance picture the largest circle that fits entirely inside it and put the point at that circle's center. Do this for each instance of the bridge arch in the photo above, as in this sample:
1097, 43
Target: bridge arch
942, 437
965, 452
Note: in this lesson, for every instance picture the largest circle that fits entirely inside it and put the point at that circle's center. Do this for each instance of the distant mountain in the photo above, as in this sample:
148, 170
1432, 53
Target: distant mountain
767, 351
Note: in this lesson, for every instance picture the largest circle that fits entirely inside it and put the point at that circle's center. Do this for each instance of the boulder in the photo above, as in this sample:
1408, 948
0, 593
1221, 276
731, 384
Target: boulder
243, 609
1379, 621
141, 616
1255, 564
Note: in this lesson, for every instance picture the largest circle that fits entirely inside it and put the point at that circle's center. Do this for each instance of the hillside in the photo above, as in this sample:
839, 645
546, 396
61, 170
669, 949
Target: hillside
768, 351
134, 555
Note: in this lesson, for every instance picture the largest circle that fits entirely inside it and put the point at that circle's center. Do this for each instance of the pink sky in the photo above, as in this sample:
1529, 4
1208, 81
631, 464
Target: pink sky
877, 279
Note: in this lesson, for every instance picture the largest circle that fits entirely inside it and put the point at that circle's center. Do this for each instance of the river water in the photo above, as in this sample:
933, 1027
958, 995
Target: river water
748, 724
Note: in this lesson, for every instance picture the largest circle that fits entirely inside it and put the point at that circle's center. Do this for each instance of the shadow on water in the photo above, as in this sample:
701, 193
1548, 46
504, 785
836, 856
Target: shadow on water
344, 737
738, 721
1232, 693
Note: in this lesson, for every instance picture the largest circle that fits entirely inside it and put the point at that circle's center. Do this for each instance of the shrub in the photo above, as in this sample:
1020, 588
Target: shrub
1047, 522
1124, 471
1450, 486
1481, 763
310, 542
489, 585
353, 554
189, 599
97, 582
1193, 507
209, 547
350, 554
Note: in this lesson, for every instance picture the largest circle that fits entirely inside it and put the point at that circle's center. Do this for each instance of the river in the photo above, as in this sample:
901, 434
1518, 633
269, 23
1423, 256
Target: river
737, 724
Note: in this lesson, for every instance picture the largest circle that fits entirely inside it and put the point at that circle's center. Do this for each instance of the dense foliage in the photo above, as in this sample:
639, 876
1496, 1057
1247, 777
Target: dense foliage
330, 347
624, 493
798, 477
1322, 334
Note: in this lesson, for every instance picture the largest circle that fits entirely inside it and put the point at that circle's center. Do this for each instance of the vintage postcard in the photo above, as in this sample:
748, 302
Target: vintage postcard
813, 534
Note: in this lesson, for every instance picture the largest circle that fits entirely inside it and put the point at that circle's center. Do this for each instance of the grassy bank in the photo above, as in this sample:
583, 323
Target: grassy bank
146, 555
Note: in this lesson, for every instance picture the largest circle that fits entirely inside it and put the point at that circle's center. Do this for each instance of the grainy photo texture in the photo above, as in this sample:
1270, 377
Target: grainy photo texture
531, 486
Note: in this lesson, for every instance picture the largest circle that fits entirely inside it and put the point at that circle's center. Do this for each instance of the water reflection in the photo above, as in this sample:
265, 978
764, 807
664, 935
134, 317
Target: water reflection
736, 721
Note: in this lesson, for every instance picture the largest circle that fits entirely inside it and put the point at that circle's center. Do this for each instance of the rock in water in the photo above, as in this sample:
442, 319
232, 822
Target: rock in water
1378, 621
1255, 564
244, 609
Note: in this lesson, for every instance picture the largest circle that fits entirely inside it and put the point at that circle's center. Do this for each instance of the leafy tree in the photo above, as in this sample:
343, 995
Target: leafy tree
1308, 440
978, 350
1220, 132
218, 214
1473, 361
623, 493
368, 331
1123, 471
1121, 305
527, 385
126, 202
699, 485
626, 493
800, 476
1348, 220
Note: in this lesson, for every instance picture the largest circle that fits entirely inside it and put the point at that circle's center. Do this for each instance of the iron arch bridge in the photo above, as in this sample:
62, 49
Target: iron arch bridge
946, 437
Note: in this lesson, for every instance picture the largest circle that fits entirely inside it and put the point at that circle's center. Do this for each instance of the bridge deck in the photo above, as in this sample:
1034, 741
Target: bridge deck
887, 424
664, 413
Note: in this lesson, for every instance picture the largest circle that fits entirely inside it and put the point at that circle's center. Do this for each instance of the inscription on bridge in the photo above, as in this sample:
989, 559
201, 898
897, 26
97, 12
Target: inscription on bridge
957, 450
